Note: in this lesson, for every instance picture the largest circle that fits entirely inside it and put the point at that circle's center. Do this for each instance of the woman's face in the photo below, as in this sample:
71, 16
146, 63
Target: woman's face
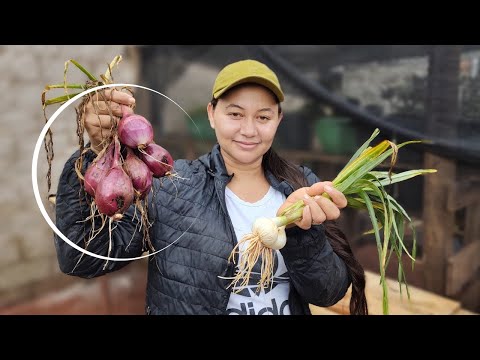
245, 121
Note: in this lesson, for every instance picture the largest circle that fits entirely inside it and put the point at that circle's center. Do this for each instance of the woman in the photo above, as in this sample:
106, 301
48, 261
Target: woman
213, 204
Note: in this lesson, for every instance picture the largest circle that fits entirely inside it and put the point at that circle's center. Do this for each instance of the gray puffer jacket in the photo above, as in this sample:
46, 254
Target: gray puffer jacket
186, 278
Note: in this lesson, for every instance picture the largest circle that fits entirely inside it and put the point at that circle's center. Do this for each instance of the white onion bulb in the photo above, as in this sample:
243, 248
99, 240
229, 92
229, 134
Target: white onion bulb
266, 230
281, 239
270, 235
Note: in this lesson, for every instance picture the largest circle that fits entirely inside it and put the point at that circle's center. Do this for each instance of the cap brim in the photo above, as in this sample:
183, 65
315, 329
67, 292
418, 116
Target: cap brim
257, 80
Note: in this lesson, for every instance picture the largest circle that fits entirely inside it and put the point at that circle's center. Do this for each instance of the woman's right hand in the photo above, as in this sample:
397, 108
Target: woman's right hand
99, 111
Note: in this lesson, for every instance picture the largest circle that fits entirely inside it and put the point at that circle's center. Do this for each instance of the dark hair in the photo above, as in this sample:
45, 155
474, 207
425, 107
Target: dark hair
285, 170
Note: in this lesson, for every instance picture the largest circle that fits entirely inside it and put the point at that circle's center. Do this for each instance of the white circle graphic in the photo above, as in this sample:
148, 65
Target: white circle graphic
34, 172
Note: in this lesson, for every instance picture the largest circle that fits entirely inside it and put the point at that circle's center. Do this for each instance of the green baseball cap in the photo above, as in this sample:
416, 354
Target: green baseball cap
246, 71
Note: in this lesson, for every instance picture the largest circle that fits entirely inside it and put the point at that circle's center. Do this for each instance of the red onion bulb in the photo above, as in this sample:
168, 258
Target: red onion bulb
114, 193
158, 159
135, 131
98, 169
139, 173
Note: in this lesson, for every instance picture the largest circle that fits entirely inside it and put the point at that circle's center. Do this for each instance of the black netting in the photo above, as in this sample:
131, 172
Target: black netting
346, 89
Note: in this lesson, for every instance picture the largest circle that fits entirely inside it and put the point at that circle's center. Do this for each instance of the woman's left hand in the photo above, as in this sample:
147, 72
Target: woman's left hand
317, 207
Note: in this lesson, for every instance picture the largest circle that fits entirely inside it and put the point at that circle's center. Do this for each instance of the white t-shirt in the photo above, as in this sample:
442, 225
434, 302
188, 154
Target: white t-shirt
249, 301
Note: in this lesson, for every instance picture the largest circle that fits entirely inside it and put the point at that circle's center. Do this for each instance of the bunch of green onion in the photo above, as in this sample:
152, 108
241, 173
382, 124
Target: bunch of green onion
364, 189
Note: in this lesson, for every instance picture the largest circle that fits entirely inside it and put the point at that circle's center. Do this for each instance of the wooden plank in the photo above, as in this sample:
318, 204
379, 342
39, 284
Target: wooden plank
442, 116
462, 267
470, 295
464, 312
300, 156
438, 235
464, 194
472, 225
421, 302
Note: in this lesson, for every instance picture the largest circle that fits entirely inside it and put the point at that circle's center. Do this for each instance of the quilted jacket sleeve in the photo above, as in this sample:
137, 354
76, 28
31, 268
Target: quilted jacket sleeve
72, 211
316, 272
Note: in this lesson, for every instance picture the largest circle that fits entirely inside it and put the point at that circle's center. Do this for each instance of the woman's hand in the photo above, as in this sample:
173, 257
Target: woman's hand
317, 207
99, 111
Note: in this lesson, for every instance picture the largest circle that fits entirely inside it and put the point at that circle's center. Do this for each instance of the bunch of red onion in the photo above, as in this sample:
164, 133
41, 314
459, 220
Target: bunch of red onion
116, 182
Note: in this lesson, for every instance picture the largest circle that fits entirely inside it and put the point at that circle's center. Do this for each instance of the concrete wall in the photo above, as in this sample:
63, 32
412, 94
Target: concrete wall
28, 265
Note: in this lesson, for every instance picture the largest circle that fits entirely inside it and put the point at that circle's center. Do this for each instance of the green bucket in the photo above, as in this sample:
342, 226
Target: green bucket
336, 135
200, 128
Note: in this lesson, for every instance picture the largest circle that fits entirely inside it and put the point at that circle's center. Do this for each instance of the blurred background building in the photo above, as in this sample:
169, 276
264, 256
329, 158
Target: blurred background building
336, 96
